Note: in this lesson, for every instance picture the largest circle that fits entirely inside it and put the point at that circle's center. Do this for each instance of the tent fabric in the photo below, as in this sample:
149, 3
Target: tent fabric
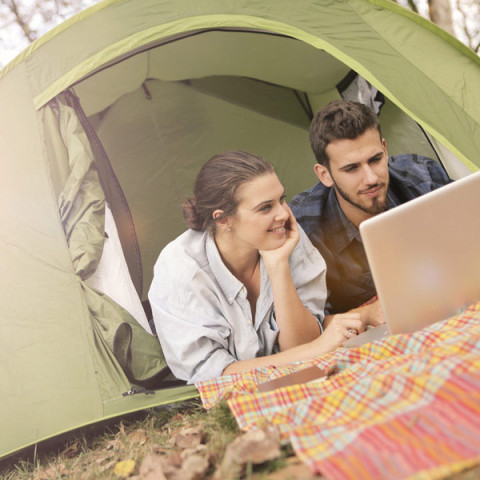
382, 33
57, 333
41, 304
164, 85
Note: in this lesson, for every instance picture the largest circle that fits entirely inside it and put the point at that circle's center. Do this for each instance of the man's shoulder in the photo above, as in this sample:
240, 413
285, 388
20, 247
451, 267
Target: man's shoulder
315, 193
309, 206
413, 169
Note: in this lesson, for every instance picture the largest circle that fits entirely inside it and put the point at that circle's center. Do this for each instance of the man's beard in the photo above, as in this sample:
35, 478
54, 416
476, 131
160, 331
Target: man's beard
376, 207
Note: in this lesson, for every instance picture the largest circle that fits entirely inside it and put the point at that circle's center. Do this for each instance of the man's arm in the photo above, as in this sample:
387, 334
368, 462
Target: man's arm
371, 314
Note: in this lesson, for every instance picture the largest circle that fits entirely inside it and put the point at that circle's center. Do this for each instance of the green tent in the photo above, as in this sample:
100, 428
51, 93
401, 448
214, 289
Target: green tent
105, 122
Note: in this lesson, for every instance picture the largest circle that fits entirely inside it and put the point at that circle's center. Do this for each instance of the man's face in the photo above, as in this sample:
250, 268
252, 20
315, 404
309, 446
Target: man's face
358, 172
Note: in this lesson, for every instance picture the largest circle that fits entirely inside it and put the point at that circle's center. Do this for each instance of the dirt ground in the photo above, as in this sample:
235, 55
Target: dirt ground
182, 442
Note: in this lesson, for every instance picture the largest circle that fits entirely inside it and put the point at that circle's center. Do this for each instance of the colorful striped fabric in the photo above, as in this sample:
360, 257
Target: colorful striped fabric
407, 406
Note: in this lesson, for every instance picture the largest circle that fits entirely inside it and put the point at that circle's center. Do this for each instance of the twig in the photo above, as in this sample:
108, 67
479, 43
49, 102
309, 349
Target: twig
22, 24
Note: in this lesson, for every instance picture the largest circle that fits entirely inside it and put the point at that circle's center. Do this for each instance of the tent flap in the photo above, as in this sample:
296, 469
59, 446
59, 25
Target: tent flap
82, 202
82, 209
136, 351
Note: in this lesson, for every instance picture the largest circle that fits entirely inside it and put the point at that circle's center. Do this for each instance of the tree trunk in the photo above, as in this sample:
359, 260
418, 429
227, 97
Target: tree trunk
441, 14
12, 5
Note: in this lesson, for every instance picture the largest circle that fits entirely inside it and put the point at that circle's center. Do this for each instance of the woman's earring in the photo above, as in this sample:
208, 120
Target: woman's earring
229, 229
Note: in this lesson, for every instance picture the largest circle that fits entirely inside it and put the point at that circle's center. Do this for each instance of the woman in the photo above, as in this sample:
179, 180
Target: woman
243, 287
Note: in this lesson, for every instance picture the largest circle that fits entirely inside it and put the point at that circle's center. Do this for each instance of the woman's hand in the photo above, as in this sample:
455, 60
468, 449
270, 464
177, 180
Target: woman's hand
292, 237
337, 329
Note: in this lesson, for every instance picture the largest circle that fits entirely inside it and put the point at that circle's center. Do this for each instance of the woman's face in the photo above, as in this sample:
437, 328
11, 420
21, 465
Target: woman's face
261, 216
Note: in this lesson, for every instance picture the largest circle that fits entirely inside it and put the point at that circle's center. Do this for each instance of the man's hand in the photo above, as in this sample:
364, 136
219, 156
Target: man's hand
371, 314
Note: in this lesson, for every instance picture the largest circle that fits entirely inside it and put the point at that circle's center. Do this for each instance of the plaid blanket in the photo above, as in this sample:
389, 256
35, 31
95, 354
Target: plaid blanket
407, 406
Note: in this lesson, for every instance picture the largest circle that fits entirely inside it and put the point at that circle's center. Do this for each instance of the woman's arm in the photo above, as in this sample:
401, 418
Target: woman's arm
334, 335
295, 322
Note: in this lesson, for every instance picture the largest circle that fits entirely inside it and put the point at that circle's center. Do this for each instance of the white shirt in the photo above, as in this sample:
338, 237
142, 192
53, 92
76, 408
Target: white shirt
201, 312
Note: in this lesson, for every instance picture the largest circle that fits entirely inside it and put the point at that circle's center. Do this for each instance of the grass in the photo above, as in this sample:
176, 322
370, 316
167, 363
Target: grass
117, 450
91, 454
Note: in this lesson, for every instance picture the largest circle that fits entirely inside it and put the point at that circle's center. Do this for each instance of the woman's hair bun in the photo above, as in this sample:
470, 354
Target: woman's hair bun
192, 217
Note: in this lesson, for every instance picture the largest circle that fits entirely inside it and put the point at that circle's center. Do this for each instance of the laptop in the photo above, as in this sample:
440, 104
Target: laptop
424, 257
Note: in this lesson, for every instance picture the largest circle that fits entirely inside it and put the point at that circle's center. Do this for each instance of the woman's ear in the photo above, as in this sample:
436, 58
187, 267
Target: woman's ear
223, 223
217, 214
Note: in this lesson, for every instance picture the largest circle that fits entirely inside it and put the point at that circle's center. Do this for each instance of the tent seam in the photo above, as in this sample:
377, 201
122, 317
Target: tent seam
240, 105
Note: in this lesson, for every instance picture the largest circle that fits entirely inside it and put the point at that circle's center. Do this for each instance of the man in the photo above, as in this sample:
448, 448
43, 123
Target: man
357, 181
